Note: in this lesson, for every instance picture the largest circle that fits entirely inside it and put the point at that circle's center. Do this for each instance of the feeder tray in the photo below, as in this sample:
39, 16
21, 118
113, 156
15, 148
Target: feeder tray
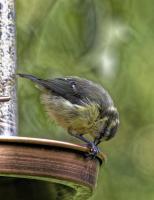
32, 168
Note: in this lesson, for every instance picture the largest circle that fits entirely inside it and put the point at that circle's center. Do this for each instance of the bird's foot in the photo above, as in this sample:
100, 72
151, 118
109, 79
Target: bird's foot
94, 150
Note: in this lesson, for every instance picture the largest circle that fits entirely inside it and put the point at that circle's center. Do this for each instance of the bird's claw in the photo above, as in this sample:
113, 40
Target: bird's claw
94, 150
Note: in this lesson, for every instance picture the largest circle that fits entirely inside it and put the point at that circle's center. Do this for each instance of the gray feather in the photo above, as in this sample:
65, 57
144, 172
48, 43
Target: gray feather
75, 89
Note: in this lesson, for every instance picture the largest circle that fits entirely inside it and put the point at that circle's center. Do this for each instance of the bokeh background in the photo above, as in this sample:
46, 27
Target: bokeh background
110, 42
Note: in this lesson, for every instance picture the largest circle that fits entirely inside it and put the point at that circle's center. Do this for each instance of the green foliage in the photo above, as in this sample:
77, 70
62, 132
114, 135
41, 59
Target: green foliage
110, 42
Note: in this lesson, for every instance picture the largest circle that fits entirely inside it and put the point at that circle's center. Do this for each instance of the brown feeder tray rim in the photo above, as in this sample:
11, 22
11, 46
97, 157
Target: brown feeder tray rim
48, 142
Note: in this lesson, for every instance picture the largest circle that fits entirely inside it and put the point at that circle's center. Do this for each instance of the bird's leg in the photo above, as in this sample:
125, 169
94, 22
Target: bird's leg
79, 136
97, 141
94, 150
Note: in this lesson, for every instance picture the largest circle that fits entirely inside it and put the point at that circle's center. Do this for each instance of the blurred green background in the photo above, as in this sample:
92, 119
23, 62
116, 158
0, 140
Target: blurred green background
110, 42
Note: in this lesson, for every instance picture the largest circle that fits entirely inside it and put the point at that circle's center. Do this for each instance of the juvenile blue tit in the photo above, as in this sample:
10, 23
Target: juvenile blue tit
80, 106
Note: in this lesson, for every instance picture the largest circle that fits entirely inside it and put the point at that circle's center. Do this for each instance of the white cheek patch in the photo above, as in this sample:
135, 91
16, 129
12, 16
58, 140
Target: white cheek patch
112, 108
117, 121
114, 123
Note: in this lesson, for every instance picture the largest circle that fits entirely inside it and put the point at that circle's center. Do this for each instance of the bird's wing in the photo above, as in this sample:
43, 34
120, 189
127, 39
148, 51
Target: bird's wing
76, 90
79, 91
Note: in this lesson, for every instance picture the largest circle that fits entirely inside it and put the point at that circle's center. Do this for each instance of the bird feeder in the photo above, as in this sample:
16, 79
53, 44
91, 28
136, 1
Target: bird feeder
33, 168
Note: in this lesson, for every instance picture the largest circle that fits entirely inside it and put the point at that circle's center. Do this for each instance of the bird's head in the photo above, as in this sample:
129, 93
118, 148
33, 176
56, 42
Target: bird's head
110, 124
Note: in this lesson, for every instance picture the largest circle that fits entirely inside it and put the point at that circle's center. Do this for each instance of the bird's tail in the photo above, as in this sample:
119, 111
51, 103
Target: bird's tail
38, 81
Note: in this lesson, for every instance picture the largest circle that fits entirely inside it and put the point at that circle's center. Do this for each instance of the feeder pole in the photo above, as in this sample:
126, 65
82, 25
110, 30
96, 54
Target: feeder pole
8, 98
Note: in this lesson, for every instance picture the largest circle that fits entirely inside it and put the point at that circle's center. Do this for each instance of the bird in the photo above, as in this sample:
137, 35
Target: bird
80, 106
